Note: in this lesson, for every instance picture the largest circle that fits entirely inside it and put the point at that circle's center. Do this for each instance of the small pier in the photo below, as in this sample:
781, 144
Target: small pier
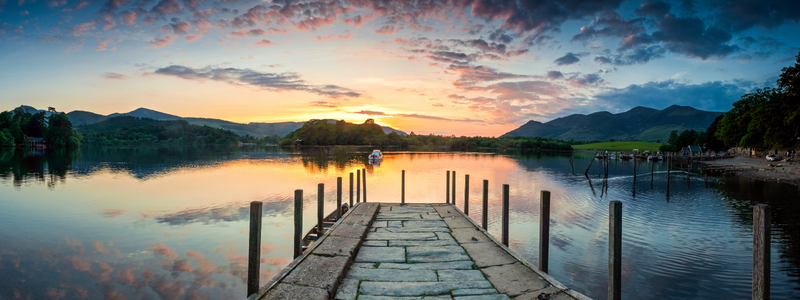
419, 251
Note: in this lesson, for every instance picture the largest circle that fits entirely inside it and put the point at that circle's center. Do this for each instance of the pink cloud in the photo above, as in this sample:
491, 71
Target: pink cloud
98, 247
332, 36
110, 213
80, 264
160, 249
277, 31
109, 22
158, 43
56, 3
387, 29
167, 7
204, 13
420, 27
249, 57
356, 21
149, 20
264, 43
192, 38
314, 23
82, 28
129, 18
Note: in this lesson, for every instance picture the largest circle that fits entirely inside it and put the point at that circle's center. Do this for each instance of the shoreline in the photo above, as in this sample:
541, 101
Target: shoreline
756, 168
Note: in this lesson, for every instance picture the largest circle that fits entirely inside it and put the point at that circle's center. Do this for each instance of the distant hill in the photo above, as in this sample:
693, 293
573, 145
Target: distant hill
80, 118
637, 124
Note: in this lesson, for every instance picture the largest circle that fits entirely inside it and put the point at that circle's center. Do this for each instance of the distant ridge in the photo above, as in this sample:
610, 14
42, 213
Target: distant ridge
639, 123
256, 129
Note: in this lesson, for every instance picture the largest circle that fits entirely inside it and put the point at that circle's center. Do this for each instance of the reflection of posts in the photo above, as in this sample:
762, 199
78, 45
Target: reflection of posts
544, 230
614, 250
254, 256
298, 223
761, 251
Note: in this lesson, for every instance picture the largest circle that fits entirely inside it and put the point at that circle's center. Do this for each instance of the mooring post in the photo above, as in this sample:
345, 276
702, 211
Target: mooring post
485, 221
351, 190
761, 251
447, 188
505, 214
338, 198
298, 223
254, 258
669, 167
454, 189
320, 208
466, 194
614, 250
403, 187
544, 230
358, 186
364, 177
652, 169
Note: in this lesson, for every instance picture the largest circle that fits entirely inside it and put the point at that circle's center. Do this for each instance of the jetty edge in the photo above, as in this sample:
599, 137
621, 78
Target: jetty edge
433, 250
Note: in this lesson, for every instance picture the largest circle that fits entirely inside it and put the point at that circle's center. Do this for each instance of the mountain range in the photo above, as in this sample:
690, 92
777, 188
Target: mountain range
637, 124
80, 118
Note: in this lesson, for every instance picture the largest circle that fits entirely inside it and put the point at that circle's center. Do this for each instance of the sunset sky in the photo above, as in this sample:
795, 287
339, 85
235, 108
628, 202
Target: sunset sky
478, 67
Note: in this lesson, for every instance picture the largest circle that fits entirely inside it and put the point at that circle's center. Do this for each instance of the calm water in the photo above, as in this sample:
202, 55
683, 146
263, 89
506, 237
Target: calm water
172, 223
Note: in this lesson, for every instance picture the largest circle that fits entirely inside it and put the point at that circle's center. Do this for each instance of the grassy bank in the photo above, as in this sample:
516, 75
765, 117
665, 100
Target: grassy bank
618, 146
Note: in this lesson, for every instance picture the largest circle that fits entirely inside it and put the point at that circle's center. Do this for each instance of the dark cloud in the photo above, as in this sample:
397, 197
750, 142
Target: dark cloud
586, 80
712, 95
471, 75
653, 8
610, 24
740, 15
553, 75
288, 81
539, 16
637, 55
112, 75
371, 113
418, 116
567, 59
499, 35
691, 37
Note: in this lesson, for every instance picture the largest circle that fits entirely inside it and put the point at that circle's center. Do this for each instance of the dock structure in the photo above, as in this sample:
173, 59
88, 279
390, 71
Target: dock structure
410, 251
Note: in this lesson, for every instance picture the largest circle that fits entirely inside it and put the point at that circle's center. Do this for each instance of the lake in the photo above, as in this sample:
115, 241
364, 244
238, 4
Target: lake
172, 223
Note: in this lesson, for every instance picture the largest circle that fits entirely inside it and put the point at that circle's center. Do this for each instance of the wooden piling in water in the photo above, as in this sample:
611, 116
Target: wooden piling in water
761, 251
466, 194
505, 214
614, 250
364, 178
403, 187
586, 173
320, 209
351, 190
358, 186
298, 223
652, 170
254, 255
544, 230
485, 220
338, 198
453, 195
447, 188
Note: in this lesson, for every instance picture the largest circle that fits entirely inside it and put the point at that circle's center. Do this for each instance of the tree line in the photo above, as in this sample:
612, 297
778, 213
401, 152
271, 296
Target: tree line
329, 133
17, 125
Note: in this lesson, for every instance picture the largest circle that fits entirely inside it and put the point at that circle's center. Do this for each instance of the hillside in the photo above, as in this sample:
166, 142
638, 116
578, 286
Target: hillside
80, 118
637, 124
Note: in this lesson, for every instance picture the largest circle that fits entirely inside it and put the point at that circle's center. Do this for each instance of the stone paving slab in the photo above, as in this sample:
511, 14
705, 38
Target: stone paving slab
418, 288
450, 265
469, 235
428, 243
421, 224
435, 254
285, 291
350, 230
488, 254
402, 236
348, 289
319, 271
483, 297
338, 246
381, 254
412, 229
378, 243
458, 222
369, 297
395, 275
460, 275
473, 292
515, 279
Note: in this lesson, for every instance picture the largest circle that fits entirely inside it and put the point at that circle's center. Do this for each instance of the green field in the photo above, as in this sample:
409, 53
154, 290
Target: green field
619, 146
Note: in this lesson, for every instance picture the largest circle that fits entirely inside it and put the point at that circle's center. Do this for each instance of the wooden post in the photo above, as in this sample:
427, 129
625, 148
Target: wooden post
364, 177
652, 169
403, 187
505, 215
447, 189
544, 230
454, 189
320, 209
358, 186
614, 250
669, 167
485, 221
338, 198
761, 251
351, 190
466, 194
254, 258
298, 223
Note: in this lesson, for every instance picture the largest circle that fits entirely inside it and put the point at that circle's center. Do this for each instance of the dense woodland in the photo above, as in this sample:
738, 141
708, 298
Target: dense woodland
16, 125
325, 133
766, 119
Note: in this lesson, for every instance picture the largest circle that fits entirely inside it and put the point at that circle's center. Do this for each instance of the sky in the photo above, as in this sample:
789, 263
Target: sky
475, 67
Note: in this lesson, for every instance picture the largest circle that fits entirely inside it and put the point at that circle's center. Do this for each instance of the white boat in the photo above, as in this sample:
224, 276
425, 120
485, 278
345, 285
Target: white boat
376, 155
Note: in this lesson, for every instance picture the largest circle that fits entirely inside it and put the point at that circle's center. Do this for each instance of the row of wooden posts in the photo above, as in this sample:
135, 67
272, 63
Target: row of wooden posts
761, 230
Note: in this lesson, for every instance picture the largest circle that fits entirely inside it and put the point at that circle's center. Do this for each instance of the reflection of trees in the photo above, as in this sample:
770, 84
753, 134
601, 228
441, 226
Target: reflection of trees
24, 164
319, 160
741, 192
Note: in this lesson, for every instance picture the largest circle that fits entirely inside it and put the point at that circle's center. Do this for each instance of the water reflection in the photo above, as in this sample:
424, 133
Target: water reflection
172, 223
